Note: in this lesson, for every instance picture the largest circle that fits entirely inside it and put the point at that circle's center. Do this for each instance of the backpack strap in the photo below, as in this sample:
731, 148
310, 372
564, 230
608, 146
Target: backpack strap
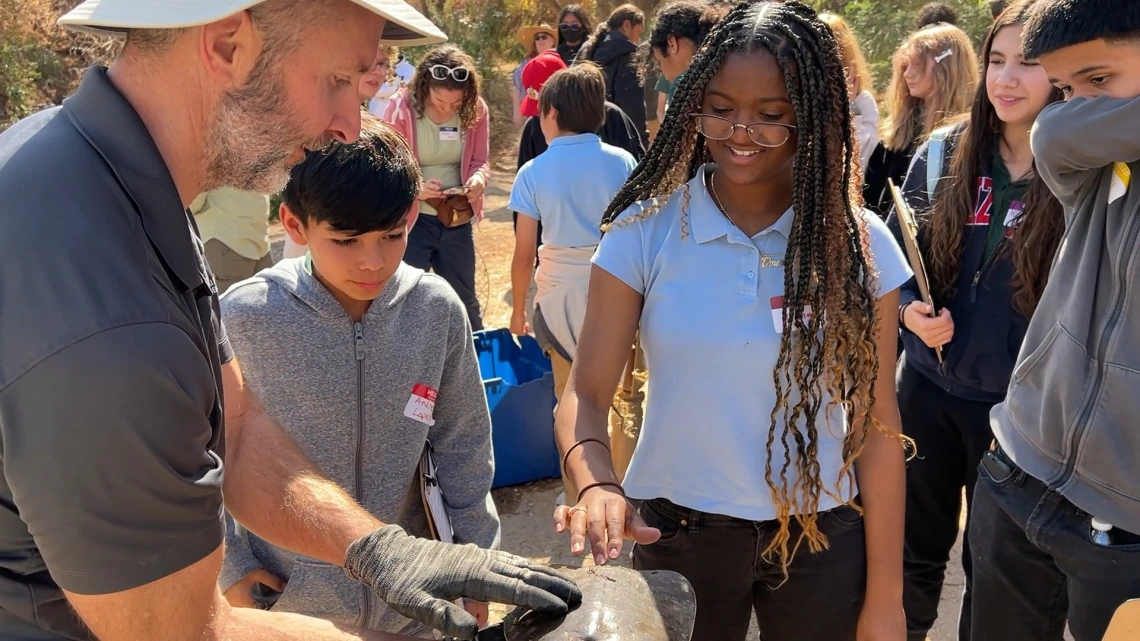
935, 156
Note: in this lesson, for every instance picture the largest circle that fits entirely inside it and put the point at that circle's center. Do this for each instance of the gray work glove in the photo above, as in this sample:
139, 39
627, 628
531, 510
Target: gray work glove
420, 578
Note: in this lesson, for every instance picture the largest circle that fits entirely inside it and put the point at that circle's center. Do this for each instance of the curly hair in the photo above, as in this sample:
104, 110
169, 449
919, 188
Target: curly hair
422, 82
828, 354
1043, 222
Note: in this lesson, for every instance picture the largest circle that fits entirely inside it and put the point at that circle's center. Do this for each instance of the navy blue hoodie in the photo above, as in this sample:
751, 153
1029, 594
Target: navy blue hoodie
988, 331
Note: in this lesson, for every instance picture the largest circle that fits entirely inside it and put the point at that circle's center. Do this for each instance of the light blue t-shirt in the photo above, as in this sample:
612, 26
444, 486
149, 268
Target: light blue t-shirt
568, 187
713, 298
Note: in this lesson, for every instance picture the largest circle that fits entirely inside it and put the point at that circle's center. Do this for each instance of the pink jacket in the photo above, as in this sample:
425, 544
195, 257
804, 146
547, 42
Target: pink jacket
476, 144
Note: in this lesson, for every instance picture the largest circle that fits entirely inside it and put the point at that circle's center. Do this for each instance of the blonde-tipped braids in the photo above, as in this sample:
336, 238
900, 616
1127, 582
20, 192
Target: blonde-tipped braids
828, 355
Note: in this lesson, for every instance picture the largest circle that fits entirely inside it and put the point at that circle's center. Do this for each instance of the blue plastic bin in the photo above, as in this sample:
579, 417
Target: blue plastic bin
520, 395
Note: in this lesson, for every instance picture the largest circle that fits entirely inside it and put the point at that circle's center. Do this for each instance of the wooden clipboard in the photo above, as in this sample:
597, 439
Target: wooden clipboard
910, 239
1125, 624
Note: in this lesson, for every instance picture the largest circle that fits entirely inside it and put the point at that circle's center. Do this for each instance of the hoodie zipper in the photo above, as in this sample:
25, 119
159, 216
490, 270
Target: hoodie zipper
1101, 352
358, 342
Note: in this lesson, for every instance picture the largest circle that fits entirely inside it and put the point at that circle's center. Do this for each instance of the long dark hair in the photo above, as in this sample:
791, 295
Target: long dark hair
1042, 223
831, 351
617, 18
422, 82
578, 12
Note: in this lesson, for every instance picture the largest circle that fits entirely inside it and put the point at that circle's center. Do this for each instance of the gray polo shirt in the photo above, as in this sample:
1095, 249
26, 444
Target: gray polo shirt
111, 413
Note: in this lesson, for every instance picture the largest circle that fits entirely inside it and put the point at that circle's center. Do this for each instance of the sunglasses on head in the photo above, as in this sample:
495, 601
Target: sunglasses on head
572, 27
441, 72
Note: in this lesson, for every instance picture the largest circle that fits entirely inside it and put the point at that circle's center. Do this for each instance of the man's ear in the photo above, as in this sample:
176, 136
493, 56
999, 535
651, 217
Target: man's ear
293, 225
229, 49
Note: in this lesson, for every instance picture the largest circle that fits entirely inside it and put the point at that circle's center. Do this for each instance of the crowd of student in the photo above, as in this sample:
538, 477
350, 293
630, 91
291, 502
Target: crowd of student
723, 316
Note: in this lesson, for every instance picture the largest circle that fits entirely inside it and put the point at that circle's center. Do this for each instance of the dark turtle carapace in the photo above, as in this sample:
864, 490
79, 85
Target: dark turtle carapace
618, 604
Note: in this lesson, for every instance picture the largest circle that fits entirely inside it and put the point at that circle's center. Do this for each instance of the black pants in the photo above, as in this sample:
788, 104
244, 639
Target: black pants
720, 556
449, 252
1035, 565
950, 435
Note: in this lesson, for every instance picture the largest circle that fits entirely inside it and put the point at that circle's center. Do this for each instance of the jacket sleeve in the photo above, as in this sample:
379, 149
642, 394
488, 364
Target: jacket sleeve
481, 139
461, 438
239, 559
629, 96
914, 192
1072, 141
532, 143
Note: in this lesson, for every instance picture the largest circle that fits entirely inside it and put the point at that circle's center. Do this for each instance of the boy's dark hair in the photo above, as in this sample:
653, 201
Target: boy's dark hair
933, 13
579, 95
1056, 24
356, 188
996, 7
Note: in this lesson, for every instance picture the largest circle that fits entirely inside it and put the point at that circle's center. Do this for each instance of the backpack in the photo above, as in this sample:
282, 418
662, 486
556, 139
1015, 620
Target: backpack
935, 156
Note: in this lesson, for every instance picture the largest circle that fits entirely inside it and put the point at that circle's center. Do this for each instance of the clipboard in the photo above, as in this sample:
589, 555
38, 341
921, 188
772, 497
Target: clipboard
910, 239
1125, 624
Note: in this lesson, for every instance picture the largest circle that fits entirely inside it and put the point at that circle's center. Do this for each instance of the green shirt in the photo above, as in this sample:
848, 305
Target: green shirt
440, 151
668, 88
1007, 204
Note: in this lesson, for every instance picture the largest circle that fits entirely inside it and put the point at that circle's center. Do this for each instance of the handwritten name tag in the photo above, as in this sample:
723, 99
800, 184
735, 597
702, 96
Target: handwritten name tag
449, 133
421, 404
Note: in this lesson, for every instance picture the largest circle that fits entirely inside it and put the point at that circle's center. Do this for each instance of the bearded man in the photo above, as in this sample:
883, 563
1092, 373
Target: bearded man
120, 399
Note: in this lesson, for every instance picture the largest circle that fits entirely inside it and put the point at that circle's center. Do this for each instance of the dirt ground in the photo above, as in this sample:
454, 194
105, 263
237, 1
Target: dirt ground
526, 510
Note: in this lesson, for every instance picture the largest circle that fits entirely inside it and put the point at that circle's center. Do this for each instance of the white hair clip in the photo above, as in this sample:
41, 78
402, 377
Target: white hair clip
944, 55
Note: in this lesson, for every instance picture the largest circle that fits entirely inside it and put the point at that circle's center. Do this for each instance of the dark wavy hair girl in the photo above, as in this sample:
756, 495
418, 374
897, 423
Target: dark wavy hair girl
451, 57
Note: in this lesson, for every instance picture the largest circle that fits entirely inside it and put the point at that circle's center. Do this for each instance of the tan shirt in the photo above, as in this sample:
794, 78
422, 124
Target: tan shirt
440, 150
238, 219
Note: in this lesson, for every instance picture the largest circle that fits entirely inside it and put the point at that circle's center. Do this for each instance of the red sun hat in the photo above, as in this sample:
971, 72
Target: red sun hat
534, 75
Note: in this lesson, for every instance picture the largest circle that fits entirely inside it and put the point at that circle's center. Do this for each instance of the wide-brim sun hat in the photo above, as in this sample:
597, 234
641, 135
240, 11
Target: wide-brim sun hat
526, 34
405, 26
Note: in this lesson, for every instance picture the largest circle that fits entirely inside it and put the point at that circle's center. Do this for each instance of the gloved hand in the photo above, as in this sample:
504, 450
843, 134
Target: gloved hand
420, 578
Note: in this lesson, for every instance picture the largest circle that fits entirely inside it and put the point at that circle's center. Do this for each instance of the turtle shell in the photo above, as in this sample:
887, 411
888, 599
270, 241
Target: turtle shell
618, 604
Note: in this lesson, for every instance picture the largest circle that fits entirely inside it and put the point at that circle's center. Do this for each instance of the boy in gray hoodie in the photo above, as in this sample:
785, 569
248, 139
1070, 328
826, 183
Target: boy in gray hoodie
363, 359
1055, 531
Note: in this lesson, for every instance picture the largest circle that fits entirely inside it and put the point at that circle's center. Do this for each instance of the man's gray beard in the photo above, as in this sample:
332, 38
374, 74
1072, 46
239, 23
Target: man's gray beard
253, 134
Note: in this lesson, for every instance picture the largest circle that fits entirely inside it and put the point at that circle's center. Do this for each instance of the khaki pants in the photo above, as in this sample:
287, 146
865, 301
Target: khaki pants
625, 413
230, 267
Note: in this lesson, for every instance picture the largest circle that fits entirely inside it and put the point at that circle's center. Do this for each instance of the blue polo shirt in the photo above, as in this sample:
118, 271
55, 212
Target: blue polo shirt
569, 186
708, 327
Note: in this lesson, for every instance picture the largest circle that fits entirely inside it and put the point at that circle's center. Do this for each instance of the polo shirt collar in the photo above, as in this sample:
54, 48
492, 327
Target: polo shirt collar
575, 139
708, 222
113, 127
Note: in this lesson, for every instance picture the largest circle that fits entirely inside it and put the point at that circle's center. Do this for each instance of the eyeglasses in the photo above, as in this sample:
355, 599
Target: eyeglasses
541, 36
571, 27
765, 134
441, 72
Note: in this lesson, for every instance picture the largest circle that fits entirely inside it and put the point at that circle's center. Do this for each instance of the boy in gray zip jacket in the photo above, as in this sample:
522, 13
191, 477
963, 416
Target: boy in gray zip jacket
1068, 444
362, 359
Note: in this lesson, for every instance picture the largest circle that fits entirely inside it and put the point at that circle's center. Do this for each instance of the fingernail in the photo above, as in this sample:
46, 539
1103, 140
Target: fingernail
558, 527
600, 559
576, 548
614, 553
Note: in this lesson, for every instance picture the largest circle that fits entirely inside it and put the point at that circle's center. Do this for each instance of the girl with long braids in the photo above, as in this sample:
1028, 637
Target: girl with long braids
988, 236
770, 467
935, 75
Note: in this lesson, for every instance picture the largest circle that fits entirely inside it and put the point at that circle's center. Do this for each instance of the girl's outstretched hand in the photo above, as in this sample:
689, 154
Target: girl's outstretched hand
606, 517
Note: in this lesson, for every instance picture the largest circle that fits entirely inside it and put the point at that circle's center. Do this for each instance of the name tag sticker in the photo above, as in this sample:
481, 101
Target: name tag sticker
421, 404
777, 303
449, 133
1121, 179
